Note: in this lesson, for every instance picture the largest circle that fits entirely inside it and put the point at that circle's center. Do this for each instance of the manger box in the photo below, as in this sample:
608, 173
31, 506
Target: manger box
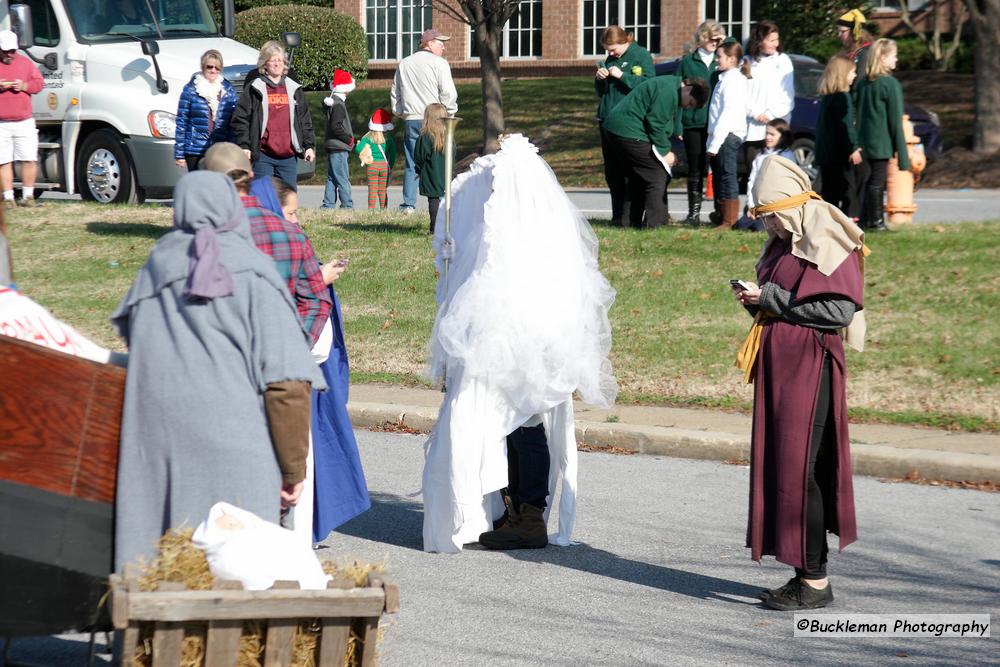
346, 617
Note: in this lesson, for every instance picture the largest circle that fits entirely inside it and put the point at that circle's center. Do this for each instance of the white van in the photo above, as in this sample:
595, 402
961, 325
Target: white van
114, 71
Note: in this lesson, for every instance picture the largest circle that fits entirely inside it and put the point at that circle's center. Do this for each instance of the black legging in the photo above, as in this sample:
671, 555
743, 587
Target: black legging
695, 142
433, 203
878, 173
528, 466
819, 492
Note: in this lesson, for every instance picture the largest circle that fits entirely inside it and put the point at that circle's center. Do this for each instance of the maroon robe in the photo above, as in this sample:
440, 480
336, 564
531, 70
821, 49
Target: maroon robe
789, 366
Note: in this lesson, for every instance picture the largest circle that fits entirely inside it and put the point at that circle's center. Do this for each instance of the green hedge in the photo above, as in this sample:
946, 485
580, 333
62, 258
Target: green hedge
330, 40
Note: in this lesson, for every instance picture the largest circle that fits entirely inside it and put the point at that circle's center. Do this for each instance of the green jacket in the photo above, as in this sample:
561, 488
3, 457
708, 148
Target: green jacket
836, 134
380, 153
636, 65
429, 164
693, 67
880, 120
650, 113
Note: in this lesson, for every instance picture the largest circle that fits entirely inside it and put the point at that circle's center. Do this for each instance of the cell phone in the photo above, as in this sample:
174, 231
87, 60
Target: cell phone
738, 284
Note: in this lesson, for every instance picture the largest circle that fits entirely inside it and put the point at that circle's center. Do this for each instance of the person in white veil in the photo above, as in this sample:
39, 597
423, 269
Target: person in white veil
522, 324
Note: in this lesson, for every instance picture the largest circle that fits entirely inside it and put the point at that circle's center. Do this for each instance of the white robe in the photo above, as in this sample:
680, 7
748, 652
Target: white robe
522, 324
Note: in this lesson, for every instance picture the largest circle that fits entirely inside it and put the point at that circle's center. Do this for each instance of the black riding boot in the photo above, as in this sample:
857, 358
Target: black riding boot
874, 220
694, 204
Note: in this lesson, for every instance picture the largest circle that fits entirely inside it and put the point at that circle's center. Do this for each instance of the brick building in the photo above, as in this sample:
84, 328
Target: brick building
554, 37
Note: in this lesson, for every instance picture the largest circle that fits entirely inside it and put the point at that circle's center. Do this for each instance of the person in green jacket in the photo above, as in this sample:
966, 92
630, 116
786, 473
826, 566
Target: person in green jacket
641, 128
377, 151
699, 64
837, 149
626, 66
428, 157
880, 128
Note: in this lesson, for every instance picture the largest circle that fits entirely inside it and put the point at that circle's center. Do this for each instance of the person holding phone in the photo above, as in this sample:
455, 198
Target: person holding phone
19, 80
807, 302
626, 66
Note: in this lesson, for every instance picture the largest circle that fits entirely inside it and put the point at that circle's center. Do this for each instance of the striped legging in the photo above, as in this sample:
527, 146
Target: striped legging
378, 181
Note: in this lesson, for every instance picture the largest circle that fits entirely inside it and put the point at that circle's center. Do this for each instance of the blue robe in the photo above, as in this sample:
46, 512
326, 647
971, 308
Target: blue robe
341, 491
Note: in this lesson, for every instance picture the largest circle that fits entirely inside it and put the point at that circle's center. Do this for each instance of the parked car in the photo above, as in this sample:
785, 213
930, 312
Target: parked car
808, 72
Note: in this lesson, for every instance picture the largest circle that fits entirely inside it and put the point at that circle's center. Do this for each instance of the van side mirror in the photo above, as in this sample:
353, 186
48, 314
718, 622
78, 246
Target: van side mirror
151, 48
20, 23
228, 19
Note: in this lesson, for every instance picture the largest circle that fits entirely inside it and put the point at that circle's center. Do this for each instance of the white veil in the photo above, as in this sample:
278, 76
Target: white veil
525, 306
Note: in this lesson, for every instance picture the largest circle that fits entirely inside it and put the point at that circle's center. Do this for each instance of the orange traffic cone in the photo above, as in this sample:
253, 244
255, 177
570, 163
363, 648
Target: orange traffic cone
709, 188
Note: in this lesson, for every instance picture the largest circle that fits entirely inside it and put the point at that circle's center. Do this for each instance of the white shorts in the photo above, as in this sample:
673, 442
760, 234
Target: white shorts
18, 141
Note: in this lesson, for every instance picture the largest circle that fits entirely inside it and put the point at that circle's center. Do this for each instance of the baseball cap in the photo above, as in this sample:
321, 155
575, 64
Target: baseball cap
8, 40
225, 157
431, 33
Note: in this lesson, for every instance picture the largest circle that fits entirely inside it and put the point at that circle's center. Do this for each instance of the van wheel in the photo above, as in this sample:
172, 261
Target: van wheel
104, 170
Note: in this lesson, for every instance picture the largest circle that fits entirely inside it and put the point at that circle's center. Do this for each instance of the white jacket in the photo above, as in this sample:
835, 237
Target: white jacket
421, 79
772, 92
727, 113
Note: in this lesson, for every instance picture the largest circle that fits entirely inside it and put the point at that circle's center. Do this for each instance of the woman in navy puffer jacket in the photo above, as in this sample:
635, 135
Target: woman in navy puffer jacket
203, 112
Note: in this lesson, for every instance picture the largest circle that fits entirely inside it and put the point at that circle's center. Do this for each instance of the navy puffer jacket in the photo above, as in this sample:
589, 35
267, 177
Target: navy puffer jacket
192, 137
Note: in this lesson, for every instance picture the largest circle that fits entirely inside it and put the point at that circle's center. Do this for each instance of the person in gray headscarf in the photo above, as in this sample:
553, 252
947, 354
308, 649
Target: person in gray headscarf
217, 397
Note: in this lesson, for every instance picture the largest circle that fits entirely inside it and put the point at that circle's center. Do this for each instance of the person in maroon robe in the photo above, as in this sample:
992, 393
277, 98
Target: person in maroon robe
808, 302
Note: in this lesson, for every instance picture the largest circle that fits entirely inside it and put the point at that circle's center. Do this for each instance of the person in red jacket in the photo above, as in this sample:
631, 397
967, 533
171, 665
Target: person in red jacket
19, 80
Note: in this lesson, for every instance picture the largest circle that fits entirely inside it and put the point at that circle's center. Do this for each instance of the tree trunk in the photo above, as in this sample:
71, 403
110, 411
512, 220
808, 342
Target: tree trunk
488, 37
986, 27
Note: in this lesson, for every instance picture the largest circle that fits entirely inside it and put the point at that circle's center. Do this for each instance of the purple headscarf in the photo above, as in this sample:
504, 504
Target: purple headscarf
206, 203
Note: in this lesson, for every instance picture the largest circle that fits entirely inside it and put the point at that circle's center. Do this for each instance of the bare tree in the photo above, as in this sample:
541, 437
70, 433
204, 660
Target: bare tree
487, 19
934, 42
986, 28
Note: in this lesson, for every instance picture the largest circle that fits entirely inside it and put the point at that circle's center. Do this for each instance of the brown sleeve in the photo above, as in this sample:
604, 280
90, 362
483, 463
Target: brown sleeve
288, 405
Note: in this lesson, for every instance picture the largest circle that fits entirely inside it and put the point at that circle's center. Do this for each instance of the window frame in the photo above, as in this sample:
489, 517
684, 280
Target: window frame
505, 40
745, 23
418, 9
652, 26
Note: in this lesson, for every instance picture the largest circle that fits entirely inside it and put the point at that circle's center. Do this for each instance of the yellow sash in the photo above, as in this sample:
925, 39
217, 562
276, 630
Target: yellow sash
784, 204
746, 357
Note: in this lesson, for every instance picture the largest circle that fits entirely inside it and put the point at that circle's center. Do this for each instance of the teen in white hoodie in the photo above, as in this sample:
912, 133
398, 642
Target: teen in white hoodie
772, 86
727, 128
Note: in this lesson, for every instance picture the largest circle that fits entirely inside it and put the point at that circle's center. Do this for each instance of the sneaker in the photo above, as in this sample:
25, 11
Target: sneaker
407, 210
799, 596
9, 204
29, 202
768, 592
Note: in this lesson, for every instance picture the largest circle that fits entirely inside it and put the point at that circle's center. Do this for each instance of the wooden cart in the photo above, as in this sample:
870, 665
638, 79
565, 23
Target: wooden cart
341, 610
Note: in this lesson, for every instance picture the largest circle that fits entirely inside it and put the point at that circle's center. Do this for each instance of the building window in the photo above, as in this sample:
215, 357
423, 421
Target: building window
522, 36
394, 27
733, 15
639, 17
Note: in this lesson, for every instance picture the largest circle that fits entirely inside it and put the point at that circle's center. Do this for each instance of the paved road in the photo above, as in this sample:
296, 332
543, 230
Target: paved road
934, 206
660, 576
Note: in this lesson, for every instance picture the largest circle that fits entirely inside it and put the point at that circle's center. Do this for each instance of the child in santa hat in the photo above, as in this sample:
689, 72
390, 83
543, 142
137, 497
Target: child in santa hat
378, 153
339, 141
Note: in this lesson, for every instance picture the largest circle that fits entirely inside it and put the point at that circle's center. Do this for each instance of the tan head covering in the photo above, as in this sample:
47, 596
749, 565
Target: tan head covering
821, 233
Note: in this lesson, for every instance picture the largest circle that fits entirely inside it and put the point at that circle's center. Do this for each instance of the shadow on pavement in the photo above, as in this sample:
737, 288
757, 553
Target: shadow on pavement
586, 558
391, 520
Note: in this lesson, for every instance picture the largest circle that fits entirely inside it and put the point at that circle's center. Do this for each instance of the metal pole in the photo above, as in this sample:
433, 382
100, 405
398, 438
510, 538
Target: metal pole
449, 166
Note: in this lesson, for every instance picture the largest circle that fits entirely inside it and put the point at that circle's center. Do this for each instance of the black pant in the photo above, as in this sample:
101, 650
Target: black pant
878, 172
822, 473
614, 174
695, 143
647, 182
192, 161
432, 205
840, 187
528, 466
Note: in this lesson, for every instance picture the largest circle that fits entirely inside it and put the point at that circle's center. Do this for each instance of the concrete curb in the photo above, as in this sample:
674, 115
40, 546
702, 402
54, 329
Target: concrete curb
872, 460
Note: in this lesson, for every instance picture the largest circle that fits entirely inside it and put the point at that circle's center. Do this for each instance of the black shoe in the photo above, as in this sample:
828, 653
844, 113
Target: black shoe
798, 596
525, 530
769, 592
874, 218
694, 204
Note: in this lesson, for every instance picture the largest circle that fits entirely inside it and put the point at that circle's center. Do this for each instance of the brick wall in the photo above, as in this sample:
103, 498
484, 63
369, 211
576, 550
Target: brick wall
678, 22
561, 29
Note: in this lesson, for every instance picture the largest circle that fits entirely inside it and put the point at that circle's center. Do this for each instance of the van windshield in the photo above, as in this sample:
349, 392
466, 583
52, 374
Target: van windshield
115, 20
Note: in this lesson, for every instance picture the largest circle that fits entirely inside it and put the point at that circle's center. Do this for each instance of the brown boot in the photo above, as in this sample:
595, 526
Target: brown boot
730, 213
524, 530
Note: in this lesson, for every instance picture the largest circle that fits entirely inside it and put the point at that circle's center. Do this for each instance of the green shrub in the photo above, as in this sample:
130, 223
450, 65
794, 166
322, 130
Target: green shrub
329, 40
821, 48
913, 55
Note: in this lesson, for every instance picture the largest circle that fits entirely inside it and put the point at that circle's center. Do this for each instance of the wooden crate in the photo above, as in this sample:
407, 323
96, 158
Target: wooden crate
224, 609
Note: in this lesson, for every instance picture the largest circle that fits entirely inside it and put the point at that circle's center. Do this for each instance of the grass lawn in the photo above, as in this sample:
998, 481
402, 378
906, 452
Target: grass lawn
932, 301
569, 139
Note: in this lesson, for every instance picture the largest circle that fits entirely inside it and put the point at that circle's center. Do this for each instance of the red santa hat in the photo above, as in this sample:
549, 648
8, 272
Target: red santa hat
381, 121
342, 82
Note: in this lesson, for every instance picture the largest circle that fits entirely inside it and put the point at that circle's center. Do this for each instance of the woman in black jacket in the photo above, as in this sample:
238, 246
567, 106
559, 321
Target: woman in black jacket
271, 122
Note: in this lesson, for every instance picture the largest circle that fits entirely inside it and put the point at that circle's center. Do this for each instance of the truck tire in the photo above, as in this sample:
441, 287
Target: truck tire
104, 171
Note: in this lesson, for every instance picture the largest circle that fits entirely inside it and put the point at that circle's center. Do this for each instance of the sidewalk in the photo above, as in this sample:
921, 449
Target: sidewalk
878, 450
